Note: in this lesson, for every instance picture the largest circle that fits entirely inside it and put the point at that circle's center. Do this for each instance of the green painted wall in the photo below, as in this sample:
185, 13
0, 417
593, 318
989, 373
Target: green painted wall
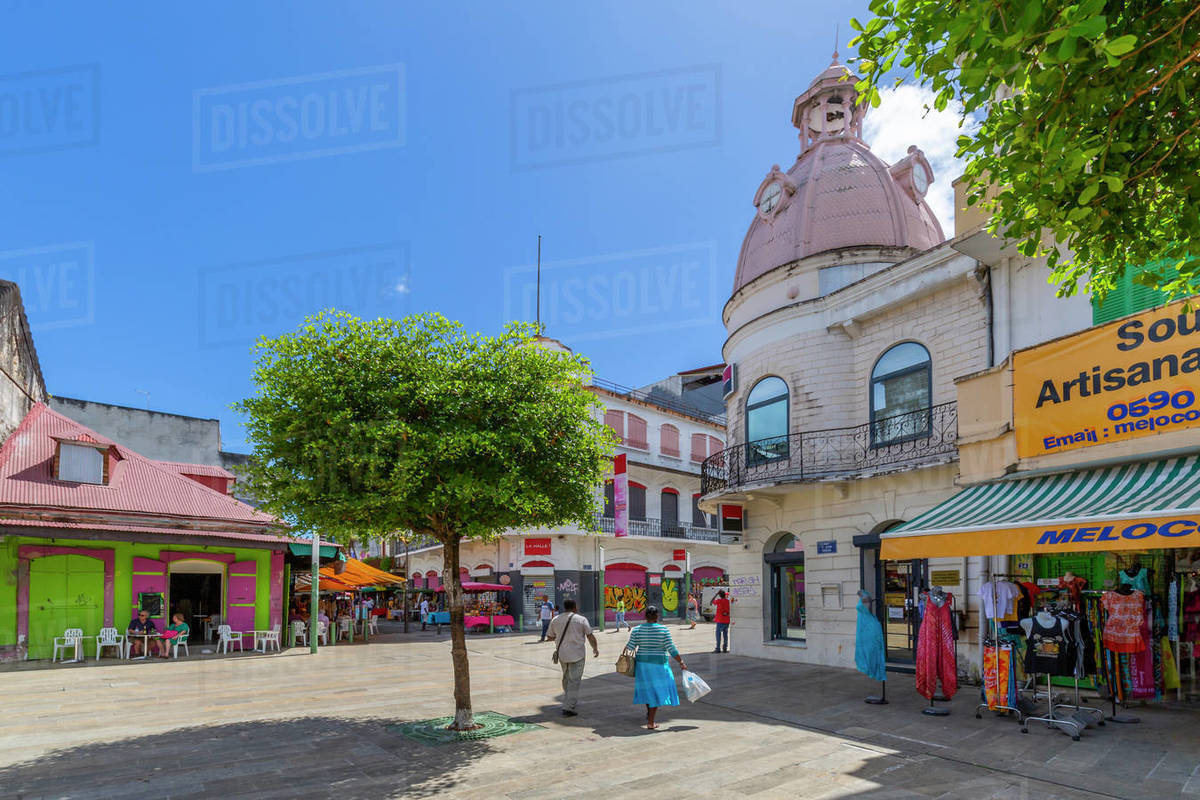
125, 552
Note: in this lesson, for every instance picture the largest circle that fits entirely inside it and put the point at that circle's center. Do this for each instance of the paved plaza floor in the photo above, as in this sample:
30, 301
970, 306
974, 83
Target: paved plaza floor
294, 725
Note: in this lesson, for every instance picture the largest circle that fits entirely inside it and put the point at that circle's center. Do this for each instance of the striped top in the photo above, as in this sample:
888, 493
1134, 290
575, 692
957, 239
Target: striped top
652, 639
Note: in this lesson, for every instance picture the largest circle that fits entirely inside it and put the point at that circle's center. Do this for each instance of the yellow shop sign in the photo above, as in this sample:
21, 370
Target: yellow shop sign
1127, 379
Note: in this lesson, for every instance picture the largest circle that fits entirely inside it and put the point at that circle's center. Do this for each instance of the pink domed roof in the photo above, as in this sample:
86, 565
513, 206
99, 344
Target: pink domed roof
838, 193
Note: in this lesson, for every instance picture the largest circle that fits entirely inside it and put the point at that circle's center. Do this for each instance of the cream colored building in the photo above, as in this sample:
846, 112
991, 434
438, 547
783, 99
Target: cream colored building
850, 319
667, 429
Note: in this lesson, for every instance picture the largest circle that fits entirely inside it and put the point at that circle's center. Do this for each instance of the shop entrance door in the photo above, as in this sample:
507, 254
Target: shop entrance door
65, 591
902, 583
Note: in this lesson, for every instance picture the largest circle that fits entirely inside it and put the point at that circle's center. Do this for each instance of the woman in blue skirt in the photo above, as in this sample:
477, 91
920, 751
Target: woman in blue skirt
653, 680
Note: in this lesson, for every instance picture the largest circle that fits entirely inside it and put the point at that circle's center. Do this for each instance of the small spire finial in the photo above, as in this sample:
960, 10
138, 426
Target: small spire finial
837, 34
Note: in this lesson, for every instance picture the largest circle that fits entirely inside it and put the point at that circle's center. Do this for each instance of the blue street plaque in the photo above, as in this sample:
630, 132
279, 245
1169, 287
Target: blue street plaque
826, 547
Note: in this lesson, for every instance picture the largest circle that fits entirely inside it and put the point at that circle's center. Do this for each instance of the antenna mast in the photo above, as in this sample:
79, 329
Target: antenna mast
539, 285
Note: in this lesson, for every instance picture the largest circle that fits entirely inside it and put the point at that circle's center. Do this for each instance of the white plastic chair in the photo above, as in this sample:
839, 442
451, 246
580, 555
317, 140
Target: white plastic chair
343, 628
299, 631
268, 638
374, 624
227, 638
211, 626
178, 642
323, 632
109, 637
71, 640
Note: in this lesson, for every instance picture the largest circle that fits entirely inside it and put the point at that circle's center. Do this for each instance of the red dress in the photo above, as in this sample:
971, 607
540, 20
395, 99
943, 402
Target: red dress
935, 651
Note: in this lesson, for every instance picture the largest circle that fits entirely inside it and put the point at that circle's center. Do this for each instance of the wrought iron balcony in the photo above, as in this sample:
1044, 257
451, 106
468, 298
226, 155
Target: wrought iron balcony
654, 527
908, 439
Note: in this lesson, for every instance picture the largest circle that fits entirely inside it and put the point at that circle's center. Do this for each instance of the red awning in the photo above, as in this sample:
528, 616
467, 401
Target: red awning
471, 586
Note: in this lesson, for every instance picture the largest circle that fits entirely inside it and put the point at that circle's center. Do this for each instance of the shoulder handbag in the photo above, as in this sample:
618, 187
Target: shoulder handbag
627, 661
561, 635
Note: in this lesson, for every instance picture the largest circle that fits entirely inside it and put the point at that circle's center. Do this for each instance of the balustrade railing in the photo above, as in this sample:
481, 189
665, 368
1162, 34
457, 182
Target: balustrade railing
655, 527
910, 438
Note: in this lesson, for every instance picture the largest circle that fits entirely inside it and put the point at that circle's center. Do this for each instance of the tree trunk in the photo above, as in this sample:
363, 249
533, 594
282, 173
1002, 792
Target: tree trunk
463, 718
407, 584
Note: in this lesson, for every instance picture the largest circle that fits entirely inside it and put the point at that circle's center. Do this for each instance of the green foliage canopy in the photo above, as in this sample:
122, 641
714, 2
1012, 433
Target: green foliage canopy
366, 428
1089, 123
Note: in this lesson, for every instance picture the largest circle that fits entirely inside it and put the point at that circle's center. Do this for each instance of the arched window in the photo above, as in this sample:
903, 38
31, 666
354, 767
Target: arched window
901, 395
767, 421
637, 501
669, 513
668, 440
635, 432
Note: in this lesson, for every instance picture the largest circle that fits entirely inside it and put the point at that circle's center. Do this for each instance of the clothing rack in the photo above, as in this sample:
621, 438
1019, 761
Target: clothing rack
979, 709
1081, 718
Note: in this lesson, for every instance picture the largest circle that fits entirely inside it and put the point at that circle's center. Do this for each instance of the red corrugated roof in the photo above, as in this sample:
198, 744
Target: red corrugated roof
183, 533
137, 484
184, 468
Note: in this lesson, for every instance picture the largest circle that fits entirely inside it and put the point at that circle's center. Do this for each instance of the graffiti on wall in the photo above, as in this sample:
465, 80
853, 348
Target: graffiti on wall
568, 587
634, 597
670, 595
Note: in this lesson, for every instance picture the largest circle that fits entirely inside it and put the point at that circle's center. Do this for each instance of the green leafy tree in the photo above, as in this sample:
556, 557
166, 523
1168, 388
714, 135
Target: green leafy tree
365, 428
1089, 124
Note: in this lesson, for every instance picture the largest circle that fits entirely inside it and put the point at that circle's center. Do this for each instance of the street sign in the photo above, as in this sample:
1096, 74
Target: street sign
826, 547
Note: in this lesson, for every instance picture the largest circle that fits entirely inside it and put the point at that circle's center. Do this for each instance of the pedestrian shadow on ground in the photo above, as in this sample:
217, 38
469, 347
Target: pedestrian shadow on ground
306, 756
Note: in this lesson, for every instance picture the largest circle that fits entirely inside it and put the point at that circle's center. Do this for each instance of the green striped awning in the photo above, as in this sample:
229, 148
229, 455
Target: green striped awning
1136, 506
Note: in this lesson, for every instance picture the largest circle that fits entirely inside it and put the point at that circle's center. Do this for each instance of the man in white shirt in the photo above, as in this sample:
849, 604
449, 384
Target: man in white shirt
571, 628
424, 611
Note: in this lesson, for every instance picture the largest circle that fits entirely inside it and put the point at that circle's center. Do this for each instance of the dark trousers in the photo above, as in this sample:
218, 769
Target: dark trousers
723, 631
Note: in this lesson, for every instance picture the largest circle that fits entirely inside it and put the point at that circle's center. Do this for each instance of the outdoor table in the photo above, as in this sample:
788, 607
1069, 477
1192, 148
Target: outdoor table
78, 653
490, 621
254, 638
145, 637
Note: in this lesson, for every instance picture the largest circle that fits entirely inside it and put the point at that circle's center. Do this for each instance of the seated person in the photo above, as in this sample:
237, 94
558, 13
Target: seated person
142, 624
178, 629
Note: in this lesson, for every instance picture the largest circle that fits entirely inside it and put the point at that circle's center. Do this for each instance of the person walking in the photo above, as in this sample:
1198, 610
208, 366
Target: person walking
653, 680
621, 617
424, 611
693, 611
721, 617
545, 614
570, 630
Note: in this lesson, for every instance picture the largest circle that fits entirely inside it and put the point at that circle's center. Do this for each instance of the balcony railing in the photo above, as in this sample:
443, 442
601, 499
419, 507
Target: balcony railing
654, 527
896, 441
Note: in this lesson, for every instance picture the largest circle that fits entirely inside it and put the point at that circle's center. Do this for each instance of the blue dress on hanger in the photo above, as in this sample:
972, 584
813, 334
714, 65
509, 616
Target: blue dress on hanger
868, 645
1140, 581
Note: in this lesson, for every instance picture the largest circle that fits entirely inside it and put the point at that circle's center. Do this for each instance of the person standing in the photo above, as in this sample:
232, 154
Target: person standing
424, 611
571, 629
693, 610
721, 617
545, 614
621, 616
653, 680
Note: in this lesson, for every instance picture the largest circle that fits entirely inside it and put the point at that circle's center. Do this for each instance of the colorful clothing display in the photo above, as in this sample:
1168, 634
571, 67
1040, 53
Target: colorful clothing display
1048, 651
1123, 628
1139, 579
999, 682
935, 650
1191, 616
869, 654
997, 598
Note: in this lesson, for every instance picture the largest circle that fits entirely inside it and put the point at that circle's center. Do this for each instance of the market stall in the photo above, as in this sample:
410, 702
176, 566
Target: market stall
483, 608
347, 581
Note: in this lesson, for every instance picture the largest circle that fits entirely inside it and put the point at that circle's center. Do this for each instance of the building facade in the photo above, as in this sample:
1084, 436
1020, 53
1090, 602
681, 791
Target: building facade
666, 431
850, 319
91, 531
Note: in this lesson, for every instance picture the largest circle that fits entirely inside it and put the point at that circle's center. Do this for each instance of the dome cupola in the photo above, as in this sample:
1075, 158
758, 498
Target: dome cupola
837, 194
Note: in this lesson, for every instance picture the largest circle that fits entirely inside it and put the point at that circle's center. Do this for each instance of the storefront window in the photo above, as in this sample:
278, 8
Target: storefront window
901, 389
767, 421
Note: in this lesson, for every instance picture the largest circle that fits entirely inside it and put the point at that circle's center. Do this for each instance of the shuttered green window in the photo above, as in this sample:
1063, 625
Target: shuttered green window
1128, 297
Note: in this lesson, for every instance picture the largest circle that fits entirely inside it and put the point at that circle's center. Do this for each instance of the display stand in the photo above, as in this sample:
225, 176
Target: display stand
1114, 717
1074, 725
881, 700
983, 706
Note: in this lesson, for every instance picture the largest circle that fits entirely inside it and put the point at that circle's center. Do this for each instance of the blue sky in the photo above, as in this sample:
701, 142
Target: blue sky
181, 178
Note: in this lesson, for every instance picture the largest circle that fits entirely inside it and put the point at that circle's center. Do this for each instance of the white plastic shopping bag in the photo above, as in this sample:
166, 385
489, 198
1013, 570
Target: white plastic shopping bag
694, 686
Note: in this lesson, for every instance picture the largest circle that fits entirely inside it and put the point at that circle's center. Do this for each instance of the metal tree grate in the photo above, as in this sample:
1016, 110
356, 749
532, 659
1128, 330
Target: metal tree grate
434, 732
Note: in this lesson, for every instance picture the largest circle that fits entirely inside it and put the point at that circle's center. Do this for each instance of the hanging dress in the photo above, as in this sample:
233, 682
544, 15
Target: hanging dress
868, 645
935, 651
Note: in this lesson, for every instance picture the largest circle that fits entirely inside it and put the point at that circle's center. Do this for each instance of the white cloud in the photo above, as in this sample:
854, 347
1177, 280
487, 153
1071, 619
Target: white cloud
401, 286
901, 120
